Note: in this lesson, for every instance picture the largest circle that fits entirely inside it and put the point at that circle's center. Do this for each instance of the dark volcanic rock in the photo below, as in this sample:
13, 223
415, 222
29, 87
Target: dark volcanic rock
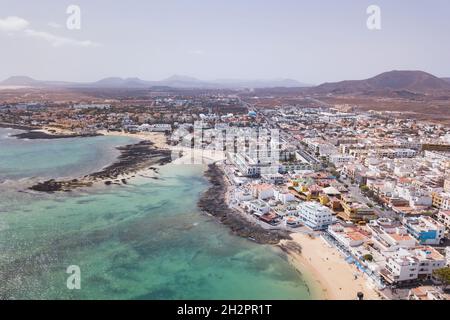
213, 202
132, 158
42, 135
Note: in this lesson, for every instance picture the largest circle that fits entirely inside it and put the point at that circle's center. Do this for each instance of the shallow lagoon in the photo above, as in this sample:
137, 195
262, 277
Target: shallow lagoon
143, 240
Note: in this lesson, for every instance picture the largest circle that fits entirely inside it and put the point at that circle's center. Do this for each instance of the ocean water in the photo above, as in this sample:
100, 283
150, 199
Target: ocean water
72, 157
143, 240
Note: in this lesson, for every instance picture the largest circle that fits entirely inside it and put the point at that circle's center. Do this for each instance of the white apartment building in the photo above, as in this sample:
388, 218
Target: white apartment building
315, 215
410, 265
284, 196
341, 159
243, 195
389, 235
444, 218
158, 127
258, 207
395, 153
262, 191
425, 229
415, 196
347, 236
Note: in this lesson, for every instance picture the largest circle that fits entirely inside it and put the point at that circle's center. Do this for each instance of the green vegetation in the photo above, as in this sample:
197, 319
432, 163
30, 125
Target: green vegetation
364, 188
368, 257
443, 275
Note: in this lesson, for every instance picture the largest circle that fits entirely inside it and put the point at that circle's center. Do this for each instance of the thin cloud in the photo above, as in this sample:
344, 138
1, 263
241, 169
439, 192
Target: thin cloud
196, 52
12, 24
58, 41
54, 25
15, 25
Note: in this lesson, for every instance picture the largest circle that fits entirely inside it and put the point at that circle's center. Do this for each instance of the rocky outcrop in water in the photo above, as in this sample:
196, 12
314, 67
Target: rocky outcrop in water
132, 158
33, 135
213, 202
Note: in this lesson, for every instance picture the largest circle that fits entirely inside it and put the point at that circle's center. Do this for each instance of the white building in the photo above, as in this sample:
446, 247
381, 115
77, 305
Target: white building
389, 235
284, 196
315, 215
416, 197
425, 229
243, 195
158, 127
341, 159
410, 265
347, 236
258, 207
444, 218
262, 191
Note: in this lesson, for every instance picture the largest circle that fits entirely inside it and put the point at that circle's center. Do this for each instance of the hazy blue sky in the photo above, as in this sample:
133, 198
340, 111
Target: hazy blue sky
311, 41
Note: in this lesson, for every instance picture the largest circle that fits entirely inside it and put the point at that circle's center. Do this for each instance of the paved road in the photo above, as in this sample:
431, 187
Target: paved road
355, 192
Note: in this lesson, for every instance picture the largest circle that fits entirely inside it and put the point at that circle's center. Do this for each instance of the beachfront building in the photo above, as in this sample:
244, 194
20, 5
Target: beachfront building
410, 265
253, 167
315, 215
389, 235
349, 236
284, 196
157, 127
425, 229
427, 293
241, 195
262, 191
258, 207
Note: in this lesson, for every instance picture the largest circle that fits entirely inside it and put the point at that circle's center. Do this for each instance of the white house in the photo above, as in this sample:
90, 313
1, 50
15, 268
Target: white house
284, 196
263, 191
258, 207
315, 215
410, 265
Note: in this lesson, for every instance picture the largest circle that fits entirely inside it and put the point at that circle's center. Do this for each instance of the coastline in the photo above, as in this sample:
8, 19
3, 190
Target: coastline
330, 276
16, 126
326, 272
213, 201
134, 159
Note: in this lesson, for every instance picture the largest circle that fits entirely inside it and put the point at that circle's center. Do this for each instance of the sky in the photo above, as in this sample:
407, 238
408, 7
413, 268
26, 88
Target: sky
310, 41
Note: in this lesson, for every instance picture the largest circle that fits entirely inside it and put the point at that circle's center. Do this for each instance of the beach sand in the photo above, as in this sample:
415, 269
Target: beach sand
158, 138
329, 275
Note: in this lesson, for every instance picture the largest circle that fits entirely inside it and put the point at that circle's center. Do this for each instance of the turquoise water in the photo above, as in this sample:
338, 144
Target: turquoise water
144, 240
71, 157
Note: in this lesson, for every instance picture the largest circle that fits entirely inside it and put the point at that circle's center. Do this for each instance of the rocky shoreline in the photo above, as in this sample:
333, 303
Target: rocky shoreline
134, 157
16, 126
33, 135
213, 202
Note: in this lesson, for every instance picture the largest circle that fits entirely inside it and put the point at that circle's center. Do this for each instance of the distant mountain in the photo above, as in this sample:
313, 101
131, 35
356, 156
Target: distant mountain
115, 82
24, 81
275, 83
175, 81
20, 81
446, 79
398, 81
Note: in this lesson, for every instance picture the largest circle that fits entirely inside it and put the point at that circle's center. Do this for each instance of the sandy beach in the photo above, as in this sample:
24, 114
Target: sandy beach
158, 138
330, 276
